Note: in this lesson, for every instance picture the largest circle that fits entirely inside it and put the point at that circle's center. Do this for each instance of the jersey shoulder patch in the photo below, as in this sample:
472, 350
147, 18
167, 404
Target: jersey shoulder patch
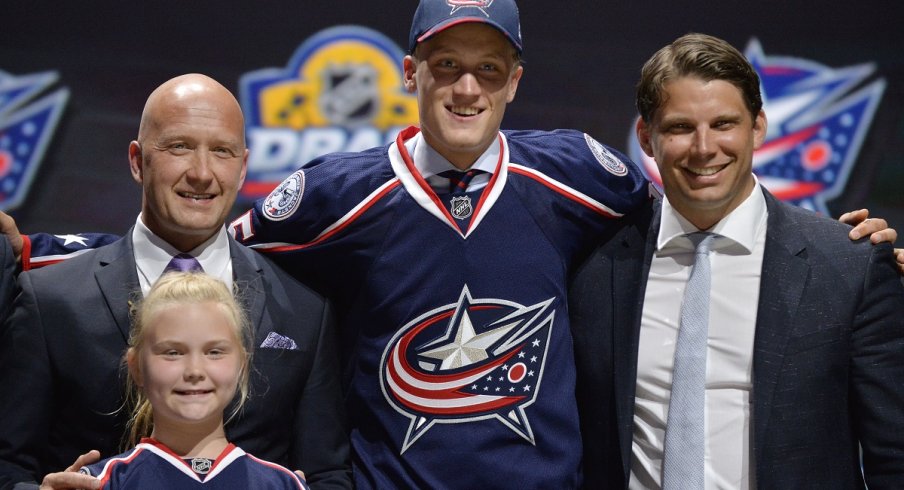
284, 200
605, 157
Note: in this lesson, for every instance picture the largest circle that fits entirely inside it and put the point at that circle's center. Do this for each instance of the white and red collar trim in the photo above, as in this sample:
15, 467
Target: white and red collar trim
227, 456
408, 174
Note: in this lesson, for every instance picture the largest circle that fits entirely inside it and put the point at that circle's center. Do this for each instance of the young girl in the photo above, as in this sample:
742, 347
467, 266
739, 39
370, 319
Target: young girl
188, 356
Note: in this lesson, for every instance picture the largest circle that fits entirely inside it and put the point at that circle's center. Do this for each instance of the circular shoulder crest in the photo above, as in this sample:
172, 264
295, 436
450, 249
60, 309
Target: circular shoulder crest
284, 200
609, 161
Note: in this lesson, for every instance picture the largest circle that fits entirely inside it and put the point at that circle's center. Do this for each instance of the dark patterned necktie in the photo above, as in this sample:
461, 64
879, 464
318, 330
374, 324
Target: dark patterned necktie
459, 181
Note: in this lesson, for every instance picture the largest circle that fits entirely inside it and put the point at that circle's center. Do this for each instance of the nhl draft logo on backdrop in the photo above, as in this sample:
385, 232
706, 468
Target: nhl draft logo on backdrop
481, 5
472, 360
816, 127
342, 90
26, 128
283, 201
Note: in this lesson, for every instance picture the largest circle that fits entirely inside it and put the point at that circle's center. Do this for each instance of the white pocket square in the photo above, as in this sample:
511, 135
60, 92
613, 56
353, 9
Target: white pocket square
277, 341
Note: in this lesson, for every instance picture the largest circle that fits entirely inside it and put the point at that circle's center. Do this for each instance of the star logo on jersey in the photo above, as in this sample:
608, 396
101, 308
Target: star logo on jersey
481, 5
69, 239
26, 128
817, 124
472, 360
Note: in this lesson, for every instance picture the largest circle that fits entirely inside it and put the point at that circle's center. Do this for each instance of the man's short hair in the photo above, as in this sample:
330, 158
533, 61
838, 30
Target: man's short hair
701, 56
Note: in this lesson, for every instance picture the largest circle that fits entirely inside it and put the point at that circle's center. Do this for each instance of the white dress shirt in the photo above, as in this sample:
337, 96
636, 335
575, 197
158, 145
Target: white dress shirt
152, 254
736, 263
430, 163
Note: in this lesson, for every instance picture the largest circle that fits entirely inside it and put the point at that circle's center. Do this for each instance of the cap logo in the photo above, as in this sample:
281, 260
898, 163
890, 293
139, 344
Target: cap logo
481, 5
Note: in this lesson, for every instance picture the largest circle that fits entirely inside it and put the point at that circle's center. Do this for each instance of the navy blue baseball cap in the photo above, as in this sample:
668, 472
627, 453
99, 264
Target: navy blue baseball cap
435, 16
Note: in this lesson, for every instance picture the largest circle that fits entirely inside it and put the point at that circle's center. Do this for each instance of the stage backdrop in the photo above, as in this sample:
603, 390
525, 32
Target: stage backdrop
314, 77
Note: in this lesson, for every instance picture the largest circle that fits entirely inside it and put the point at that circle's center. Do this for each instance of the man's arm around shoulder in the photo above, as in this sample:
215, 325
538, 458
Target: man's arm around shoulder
877, 371
27, 394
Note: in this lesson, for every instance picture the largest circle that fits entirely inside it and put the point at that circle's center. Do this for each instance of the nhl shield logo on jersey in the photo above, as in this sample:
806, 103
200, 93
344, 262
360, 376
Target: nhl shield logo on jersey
460, 207
284, 200
201, 466
609, 161
472, 360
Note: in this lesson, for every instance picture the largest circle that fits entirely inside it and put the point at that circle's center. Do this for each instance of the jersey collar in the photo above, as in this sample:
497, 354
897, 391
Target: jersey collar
400, 157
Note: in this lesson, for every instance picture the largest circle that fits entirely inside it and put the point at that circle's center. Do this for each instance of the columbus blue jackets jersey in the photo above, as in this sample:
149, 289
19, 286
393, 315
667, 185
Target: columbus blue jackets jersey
152, 465
460, 370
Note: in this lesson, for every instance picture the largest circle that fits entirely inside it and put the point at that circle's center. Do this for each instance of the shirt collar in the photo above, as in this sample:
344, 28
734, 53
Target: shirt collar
429, 162
153, 253
738, 229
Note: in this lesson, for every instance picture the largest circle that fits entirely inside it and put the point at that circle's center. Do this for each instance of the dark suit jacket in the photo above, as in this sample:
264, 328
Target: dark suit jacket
7, 277
62, 379
828, 361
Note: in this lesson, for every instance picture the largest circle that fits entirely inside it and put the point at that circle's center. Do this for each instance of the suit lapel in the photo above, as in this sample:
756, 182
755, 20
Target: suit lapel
118, 281
249, 282
783, 281
629, 280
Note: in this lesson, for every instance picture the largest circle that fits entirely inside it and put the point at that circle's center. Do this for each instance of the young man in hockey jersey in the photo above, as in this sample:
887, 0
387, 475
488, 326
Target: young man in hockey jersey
450, 288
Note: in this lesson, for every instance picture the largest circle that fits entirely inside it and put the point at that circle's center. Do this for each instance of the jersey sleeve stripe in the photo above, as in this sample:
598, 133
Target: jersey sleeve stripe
295, 479
107, 471
38, 262
339, 225
566, 191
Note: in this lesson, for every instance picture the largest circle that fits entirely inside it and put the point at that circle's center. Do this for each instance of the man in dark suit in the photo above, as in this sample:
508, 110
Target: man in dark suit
62, 346
802, 343
7, 277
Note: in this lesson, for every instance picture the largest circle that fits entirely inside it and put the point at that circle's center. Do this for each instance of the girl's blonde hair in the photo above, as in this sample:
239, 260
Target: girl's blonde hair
172, 289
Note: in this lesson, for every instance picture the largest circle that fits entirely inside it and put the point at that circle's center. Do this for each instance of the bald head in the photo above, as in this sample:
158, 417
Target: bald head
190, 159
184, 91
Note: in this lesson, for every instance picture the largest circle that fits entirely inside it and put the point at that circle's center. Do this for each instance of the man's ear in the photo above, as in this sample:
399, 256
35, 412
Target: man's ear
409, 65
643, 136
759, 129
135, 161
244, 167
513, 86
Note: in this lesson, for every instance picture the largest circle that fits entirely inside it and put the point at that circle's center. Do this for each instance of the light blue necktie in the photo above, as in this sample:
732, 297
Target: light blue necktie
682, 467
183, 263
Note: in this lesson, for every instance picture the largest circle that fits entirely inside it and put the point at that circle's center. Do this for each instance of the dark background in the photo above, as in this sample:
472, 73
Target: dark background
582, 59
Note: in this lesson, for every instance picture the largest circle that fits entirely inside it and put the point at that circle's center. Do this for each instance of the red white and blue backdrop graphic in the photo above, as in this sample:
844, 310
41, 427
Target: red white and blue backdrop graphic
27, 124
